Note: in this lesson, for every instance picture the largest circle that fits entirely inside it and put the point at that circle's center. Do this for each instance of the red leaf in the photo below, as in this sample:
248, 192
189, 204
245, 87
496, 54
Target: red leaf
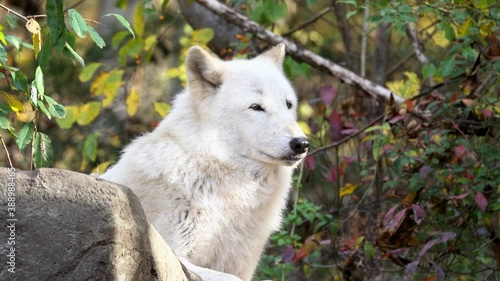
459, 197
454, 97
481, 201
460, 151
310, 162
310, 245
458, 128
348, 160
336, 126
409, 105
332, 176
327, 94
396, 221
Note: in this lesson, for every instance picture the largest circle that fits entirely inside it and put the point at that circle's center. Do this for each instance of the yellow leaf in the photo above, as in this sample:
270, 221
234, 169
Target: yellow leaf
32, 26
150, 42
37, 43
305, 127
162, 108
14, 104
138, 23
347, 189
358, 242
88, 112
405, 88
305, 110
463, 29
132, 101
202, 36
2, 36
101, 168
96, 88
27, 114
111, 86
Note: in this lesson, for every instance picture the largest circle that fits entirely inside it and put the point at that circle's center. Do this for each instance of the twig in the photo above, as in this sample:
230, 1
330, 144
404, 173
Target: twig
347, 76
13, 12
364, 39
418, 47
308, 22
6, 151
74, 5
338, 143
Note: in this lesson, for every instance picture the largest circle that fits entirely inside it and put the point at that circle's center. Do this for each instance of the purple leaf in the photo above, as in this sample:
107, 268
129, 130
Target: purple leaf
459, 197
348, 160
288, 255
388, 216
336, 126
481, 201
396, 221
327, 94
427, 246
410, 268
310, 162
348, 132
418, 213
424, 171
325, 242
448, 235
439, 272
395, 119
487, 113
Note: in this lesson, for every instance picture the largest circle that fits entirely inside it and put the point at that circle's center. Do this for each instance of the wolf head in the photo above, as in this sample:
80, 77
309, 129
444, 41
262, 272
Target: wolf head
247, 107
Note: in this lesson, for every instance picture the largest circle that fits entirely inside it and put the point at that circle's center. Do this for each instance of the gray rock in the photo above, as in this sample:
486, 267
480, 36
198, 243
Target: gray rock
71, 226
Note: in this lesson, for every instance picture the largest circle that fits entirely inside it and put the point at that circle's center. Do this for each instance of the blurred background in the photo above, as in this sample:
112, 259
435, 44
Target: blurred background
389, 190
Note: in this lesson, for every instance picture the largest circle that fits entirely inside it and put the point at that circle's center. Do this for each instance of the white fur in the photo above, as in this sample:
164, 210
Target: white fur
213, 177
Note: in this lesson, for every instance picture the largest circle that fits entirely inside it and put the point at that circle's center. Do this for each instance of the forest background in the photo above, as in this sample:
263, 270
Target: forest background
400, 101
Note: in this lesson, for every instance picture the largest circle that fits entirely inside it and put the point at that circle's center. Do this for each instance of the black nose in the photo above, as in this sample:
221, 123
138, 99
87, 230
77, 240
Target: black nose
299, 145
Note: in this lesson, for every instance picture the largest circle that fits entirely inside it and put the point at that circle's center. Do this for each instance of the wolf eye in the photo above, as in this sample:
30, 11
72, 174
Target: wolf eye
256, 107
288, 104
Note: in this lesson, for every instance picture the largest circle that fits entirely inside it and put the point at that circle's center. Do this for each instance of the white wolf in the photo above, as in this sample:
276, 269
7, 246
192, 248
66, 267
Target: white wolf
213, 177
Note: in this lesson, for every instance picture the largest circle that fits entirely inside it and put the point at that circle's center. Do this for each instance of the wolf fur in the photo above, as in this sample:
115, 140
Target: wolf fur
214, 176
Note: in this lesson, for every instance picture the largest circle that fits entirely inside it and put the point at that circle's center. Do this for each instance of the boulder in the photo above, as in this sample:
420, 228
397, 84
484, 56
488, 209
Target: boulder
62, 225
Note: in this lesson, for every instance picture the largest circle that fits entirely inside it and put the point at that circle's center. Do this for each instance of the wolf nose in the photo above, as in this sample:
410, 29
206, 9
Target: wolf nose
299, 145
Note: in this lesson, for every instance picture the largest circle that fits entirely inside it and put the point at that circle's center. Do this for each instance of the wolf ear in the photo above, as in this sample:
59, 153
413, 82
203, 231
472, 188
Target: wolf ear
204, 71
275, 54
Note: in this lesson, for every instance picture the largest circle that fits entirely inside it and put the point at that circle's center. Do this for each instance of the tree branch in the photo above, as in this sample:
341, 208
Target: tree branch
308, 22
299, 53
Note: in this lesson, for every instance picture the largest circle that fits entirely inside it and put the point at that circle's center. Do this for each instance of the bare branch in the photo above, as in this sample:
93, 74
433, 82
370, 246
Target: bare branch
6, 151
308, 22
364, 38
297, 52
13, 12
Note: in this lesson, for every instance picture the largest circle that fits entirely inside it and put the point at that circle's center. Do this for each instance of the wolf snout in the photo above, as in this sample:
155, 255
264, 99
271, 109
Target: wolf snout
299, 145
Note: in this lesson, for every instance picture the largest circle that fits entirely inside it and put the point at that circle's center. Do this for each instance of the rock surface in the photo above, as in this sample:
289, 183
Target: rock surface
71, 226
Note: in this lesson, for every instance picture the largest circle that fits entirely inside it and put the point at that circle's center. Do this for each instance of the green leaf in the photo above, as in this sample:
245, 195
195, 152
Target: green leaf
19, 81
57, 110
39, 82
90, 147
77, 23
202, 36
139, 20
18, 43
75, 55
123, 22
3, 56
55, 19
446, 67
164, 4
71, 116
275, 11
42, 151
96, 37
351, 13
131, 49
42, 107
118, 38
34, 94
45, 54
25, 135
4, 108
310, 3
50, 100
428, 70
11, 20
4, 122
89, 71
470, 54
